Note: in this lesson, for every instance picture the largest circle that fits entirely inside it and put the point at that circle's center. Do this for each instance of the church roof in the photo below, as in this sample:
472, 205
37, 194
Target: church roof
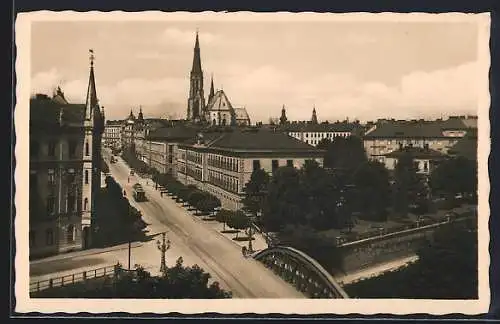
241, 114
220, 102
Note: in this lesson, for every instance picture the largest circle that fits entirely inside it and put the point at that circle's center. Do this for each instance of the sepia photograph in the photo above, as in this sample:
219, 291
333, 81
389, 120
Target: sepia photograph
248, 162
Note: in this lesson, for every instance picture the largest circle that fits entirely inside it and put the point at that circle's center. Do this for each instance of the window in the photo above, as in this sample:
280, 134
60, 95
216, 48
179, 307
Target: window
86, 149
52, 148
72, 148
34, 148
71, 202
426, 166
49, 237
85, 204
256, 165
289, 163
70, 233
51, 202
275, 165
32, 238
307, 141
86, 176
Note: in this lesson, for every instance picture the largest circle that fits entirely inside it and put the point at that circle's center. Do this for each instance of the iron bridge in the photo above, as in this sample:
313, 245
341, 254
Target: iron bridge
302, 271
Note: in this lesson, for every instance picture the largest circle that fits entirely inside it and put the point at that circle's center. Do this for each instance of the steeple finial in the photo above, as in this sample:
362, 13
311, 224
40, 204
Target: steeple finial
91, 102
212, 92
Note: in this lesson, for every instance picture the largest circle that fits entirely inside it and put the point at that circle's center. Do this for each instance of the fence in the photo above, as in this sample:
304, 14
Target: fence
71, 279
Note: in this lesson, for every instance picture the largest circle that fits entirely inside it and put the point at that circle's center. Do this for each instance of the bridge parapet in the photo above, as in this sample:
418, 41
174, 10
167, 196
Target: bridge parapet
302, 271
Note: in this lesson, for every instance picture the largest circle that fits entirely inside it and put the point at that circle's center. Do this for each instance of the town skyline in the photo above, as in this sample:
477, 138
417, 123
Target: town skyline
353, 70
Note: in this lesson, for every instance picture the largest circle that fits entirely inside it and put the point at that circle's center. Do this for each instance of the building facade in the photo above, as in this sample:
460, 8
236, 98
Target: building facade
439, 135
311, 132
65, 153
113, 133
221, 163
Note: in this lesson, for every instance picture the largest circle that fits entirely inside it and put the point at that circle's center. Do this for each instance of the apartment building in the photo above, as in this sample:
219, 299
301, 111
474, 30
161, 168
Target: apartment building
65, 176
222, 162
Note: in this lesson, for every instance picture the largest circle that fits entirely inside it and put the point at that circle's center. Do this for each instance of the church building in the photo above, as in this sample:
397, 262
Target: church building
218, 110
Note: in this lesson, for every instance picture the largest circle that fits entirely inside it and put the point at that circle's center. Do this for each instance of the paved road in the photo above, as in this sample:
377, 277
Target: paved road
199, 244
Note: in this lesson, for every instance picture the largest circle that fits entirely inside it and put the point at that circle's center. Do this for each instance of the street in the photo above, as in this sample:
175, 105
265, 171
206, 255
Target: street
192, 239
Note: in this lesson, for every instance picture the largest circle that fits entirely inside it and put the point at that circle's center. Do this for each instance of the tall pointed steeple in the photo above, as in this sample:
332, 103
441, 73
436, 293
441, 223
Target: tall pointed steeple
212, 92
196, 58
140, 117
283, 119
91, 104
131, 115
196, 100
314, 118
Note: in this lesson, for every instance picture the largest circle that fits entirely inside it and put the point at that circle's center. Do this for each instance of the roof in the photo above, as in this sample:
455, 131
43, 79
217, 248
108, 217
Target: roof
256, 140
172, 133
241, 114
417, 152
220, 102
466, 146
45, 112
420, 128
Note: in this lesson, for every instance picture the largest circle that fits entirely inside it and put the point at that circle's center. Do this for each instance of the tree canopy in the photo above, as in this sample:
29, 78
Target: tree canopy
256, 191
372, 190
343, 153
453, 176
178, 282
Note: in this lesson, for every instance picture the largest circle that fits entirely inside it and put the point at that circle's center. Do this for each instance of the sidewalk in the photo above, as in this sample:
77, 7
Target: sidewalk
374, 271
83, 253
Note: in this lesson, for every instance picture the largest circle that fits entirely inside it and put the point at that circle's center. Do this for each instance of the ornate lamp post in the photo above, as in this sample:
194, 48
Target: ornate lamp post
163, 246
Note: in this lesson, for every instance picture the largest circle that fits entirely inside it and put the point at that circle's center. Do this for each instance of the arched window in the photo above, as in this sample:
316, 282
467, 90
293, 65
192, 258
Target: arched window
214, 122
86, 149
86, 176
70, 233
85, 203
224, 121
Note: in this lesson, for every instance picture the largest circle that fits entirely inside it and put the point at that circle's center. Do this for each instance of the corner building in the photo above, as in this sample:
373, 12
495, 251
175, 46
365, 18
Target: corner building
65, 153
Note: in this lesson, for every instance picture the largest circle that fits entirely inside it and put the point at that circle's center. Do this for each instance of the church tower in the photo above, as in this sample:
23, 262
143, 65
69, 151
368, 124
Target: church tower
91, 177
196, 101
314, 118
283, 119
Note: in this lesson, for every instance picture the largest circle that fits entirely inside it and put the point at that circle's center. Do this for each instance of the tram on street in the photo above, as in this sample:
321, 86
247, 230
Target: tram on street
139, 193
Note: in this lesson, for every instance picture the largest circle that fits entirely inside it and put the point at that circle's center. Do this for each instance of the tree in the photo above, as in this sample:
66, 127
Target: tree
223, 216
309, 241
453, 176
284, 201
207, 203
372, 190
256, 191
344, 153
409, 188
239, 221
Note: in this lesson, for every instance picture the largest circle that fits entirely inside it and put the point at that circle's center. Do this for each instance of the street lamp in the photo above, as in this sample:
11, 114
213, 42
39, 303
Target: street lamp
163, 246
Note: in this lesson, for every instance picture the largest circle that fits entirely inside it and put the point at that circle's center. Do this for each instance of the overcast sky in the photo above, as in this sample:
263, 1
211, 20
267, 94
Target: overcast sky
361, 70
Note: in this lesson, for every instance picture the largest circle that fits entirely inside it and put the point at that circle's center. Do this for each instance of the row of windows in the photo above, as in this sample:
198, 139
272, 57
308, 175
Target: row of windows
223, 181
223, 162
195, 172
51, 148
320, 134
49, 236
274, 164
194, 157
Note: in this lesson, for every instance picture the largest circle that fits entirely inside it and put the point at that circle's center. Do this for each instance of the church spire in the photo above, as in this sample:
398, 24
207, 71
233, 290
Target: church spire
140, 117
212, 92
314, 118
283, 119
91, 102
196, 58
